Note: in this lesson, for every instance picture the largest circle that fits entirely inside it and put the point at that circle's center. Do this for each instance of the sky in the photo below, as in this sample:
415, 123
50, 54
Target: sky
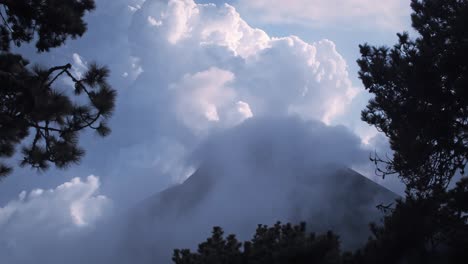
186, 71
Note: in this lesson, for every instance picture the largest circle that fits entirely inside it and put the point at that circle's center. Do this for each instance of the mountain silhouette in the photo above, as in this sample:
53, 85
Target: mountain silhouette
338, 199
261, 172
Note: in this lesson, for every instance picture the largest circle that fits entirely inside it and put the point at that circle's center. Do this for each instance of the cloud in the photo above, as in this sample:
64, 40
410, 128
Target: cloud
75, 204
154, 22
79, 67
271, 75
262, 171
133, 8
285, 142
350, 13
203, 69
204, 100
136, 68
195, 82
78, 64
37, 219
244, 109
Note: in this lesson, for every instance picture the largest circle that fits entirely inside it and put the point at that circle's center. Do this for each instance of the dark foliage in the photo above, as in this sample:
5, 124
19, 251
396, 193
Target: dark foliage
429, 230
51, 21
421, 230
421, 104
31, 105
421, 95
273, 245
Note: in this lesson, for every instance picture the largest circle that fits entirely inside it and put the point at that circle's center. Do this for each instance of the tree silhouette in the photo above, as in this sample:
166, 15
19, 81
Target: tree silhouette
421, 230
216, 249
51, 21
420, 90
420, 102
31, 105
281, 243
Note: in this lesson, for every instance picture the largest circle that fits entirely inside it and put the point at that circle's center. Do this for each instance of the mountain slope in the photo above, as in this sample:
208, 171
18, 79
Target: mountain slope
337, 199
260, 172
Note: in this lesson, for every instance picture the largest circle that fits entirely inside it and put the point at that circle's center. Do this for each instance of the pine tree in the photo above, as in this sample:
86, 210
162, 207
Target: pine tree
281, 243
420, 102
32, 106
420, 90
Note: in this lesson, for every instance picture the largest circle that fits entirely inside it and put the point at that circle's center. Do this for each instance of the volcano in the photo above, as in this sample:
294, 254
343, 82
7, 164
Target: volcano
248, 176
339, 199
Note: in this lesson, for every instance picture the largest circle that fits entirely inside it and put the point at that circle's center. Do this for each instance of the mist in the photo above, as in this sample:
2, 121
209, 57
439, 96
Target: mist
262, 171
217, 123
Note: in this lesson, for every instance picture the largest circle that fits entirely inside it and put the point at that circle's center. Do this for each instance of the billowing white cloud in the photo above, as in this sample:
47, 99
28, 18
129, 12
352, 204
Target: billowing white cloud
350, 13
51, 215
204, 100
213, 58
202, 69
192, 70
